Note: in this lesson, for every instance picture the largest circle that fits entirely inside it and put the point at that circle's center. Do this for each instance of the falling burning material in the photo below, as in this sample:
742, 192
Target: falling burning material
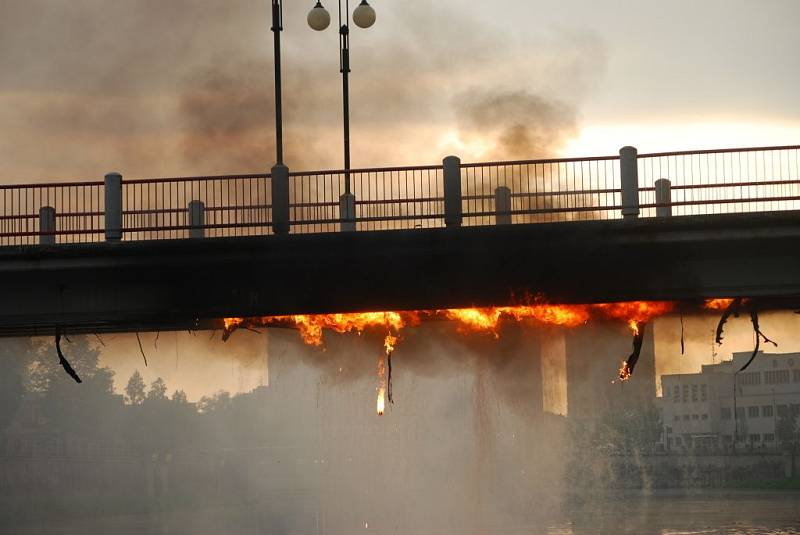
381, 406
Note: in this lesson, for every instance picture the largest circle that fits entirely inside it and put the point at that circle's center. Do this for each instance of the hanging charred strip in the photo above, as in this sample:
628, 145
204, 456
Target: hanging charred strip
389, 377
760, 336
731, 310
626, 371
138, 339
63, 361
683, 341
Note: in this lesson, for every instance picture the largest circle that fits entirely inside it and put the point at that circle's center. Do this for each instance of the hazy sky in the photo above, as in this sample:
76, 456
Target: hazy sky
149, 87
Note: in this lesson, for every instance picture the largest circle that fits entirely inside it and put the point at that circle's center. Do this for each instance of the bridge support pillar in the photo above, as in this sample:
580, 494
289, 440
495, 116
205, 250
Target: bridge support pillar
113, 209
47, 225
280, 199
502, 205
452, 191
664, 197
347, 212
629, 173
197, 219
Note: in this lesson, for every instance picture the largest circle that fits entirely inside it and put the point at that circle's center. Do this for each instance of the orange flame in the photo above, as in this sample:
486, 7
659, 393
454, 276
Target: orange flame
486, 320
624, 372
389, 343
717, 304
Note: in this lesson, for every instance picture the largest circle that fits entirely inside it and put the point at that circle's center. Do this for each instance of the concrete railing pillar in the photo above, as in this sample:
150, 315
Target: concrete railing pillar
629, 173
280, 199
452, 191
113, 211
197, 219
664, 197
502, 205
47, 225
347, 212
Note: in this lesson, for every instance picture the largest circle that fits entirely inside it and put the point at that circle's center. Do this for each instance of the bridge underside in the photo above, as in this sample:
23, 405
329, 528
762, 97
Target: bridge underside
191, 284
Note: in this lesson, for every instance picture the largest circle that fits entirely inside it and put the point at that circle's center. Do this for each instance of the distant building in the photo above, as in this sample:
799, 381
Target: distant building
702, 410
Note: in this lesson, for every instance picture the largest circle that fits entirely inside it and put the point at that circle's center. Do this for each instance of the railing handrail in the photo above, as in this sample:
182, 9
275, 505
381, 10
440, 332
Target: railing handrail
718, 151
508, 163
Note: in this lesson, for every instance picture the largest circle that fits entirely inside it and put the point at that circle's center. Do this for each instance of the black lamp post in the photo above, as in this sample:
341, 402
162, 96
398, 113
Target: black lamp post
277, 28
364, 17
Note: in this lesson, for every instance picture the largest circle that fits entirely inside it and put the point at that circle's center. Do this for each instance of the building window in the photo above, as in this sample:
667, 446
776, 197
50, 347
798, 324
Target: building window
676, 393
725, 413
703, 392
752, 412
749, 379
769, 437
704, 417
740, 413
685, 417
766, 411
783, 410
694, 392
686, 393
796, 376
695, 416
755, 437
776, 377
727, 439
791, 363
677, 418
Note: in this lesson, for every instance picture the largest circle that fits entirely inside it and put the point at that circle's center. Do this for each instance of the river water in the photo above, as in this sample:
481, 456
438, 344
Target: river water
660, 513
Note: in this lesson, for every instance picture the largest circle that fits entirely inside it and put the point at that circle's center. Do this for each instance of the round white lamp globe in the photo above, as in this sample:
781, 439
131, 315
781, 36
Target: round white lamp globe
319, 18
364, 15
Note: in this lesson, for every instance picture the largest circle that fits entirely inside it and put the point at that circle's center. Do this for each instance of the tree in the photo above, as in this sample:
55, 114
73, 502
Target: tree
179, 396
216, 403
16, 355
158, 390
786, 427
134, 391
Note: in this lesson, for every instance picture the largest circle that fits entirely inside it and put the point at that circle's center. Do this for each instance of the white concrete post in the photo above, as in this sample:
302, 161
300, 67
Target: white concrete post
663, 196
629, 173
47, 225
113, 212
452, 191
280, 199
347, 212
197, 218
502, 205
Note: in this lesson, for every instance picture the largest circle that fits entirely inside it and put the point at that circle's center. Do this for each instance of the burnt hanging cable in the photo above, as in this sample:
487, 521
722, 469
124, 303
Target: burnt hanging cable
731, 310
138, 339
63, 361
758, 334
683, 341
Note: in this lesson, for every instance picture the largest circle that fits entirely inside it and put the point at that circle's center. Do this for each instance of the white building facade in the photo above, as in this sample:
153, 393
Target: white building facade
703, 411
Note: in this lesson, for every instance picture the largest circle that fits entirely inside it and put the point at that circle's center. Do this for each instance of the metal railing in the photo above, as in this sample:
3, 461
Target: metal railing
760, 179
453, 194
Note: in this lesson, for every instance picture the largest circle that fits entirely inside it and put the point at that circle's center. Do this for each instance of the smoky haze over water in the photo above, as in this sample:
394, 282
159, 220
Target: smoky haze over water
468, 446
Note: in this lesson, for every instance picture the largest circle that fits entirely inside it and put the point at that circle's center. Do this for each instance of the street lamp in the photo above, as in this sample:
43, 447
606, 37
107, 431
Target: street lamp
364, 17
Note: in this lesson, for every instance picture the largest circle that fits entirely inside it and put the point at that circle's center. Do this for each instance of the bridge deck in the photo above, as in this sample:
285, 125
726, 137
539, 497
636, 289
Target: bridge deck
179, 284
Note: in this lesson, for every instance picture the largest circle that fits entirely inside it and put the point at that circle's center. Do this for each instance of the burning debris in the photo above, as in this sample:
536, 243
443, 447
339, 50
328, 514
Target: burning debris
638, 328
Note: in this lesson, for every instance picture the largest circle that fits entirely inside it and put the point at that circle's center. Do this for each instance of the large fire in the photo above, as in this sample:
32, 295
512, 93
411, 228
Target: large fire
470, 320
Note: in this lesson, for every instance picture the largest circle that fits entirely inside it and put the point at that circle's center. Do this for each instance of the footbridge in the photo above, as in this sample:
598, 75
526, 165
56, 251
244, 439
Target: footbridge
181, 253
